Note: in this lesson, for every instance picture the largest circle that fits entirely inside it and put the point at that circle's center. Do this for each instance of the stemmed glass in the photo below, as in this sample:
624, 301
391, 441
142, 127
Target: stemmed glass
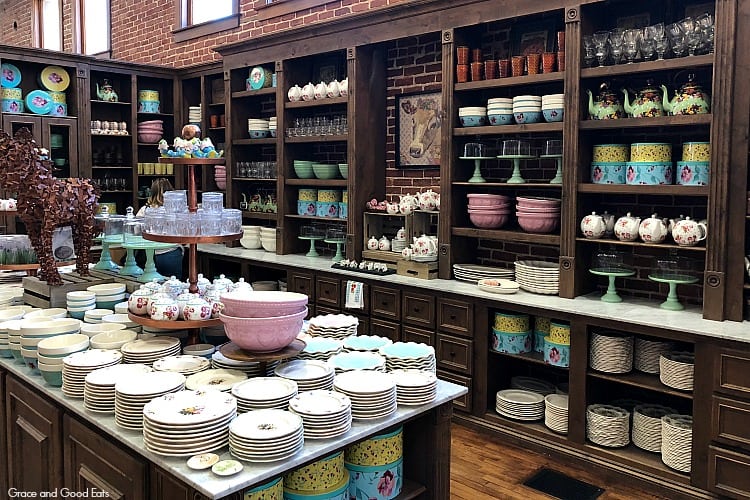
600, 43
677, 37
616, 40
589, 54
706, 24
661, 42
648, 43
693, 35
631, 38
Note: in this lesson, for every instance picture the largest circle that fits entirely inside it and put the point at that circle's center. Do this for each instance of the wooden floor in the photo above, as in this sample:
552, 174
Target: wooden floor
482, 467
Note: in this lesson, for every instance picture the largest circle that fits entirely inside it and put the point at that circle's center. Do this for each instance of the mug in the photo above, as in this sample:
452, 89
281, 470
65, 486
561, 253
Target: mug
406, 253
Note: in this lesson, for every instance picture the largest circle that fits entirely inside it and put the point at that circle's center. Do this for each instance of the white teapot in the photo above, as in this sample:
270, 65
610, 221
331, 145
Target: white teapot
425, 245
653, 229
673, 222
321, 90
372, 243
427, 200
392, 208
626, 228
407, 204
182, 300
593, 226
333, 89
138, 301
384, 244
344, 87
197, 309
401, 234
164, 309
295, 93
688, 233
308, 92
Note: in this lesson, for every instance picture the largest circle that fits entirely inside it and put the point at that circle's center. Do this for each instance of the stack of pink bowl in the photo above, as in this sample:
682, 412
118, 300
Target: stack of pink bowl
260, 321
220, 176
488, 211
150, 131
538, 215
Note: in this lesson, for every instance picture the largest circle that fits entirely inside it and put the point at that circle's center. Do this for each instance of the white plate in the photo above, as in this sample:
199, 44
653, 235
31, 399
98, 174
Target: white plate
182, 364
92, 358
520, 396
150, 346
265, 389
319, 403
359, 382
190, 407
308, 370
265, 424
109, 376
216, 379
150, 384
498, 285
202, 461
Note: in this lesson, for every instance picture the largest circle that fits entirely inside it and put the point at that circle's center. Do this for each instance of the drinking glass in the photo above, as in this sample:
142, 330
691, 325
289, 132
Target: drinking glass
648, 47
677, 39
600, 43
589, 52
631, 38
231, 221
212, 202
706, 24
344, 126
210, 223
616, 41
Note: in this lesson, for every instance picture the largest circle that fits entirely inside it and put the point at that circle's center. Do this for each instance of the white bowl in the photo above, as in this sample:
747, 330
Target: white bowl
45, 367
81, 308
52, 313
107, 288
121, 308
113, 340
527, 98
97, 313
92, 329
500, 100
251, 244
121, 319
47, 360
199, 350
269, 246
553, 96
32, 342
10, 314
80, 296
55, 326
28, 353
110, 298
63, 344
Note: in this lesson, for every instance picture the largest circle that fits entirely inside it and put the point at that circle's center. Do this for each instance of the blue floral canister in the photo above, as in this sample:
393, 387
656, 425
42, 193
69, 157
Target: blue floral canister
376, 481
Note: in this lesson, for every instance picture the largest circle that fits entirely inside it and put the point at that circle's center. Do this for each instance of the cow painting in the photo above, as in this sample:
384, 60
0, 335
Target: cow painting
420, 121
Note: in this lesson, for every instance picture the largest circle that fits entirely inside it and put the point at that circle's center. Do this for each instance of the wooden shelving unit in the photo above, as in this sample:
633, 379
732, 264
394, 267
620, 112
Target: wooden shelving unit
509, 129
642, 381
507, 235
640, 123
328, 101
669, 190
660, 246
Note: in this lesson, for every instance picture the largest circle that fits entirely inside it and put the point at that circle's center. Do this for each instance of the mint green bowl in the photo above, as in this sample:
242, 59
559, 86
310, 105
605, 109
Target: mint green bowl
325, 171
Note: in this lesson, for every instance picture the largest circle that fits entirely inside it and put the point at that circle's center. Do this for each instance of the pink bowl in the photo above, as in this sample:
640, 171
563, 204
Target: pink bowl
263, 304
537, 202
149, 137
488, 221
538, 211
151, 122
483, 200
263, 334
489, 209
150, 129
536, 224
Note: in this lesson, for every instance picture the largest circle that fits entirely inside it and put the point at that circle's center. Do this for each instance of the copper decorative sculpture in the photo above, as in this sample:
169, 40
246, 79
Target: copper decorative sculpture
45, 202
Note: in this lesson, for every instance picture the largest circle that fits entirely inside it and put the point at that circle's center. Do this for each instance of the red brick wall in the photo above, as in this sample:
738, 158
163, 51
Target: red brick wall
15, 23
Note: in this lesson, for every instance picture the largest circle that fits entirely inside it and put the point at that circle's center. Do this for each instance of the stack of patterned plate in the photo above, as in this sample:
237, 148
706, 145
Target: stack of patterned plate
608, 425
414, 387
647, 354
373, 394
132, 394
217, 379
408, 355
251, 369
337, 326
99, 386
538, 276
266, 435
611, 352
188, 422
261, 393
348, 361
183, 363
371, 343
320, 348
325, 414
556, 412
310, 374
677, 441
474, 273
148, 351
647, 426
532, 384
79, 364
519, 404
677, 370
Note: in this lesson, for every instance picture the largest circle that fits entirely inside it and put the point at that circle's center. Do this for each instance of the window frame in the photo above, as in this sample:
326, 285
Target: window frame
79, 34
38, 24
280, 8
185, 31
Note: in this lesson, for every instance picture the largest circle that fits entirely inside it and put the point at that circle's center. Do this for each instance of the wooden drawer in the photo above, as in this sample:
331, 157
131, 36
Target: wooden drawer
464, 402
728, 473
385, 329
729, 419
302, 283
454, 353
385, 302
328, 292
363, 328
455, 317
418, 309
321, 310
418, 335
732, 372
365, 299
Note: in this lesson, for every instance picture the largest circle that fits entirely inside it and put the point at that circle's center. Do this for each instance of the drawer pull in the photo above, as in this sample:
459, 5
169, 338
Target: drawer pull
417, 310
452, 354
453, 317
384, 303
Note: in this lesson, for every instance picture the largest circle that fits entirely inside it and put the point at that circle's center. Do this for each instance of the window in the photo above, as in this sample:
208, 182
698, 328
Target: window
203, 11
48, 28
196, 18
93, 26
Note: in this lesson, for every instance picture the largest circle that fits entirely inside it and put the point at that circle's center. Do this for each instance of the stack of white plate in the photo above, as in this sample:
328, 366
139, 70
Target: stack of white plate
96, 315
647, 426
217, 379
266, 435
408, 355
355, 360
194, 114
373, 394
608, 425
183, 363
99, 386
261, 393
532, 384
79, 364
676, 370
538, 276
414, 387
677, 441
272, 122
310, 374
519, 404
556, 412
611, 352
325, 414
320, 348
647, 354
188, 422
148, 351
132, 394
371, 343
474, 273
337, 326
251, 369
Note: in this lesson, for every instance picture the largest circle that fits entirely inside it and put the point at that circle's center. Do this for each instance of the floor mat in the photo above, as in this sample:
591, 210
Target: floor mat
560, 486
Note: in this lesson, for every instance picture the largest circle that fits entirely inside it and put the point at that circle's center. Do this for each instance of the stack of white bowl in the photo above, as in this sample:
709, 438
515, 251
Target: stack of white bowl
79, 302
527, 108
92, 329
268, 238
472, 116
47, 314
114, 339
121, 308
52, 350
500, 111
122, 319
251, 237
108, 294
194, 114
13, 312
553, 106
258, 128
272, 126
13, 327
34, 331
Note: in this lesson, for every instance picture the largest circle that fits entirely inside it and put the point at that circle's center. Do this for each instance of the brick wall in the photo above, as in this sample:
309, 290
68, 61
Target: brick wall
15, 22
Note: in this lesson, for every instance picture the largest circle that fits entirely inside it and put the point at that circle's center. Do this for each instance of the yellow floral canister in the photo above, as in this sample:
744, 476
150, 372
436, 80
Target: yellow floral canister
658, 152
273, 490
339, 491
541, 324
512, 323
307, 194
379, 450
610, 153
329, 195
317, 476
559, 333
345, 196
696, 151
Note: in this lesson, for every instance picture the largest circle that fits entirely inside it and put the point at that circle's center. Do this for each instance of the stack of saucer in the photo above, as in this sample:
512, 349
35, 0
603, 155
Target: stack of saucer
272, 126
405, 355
611, 352
676, 370
355, 360
369, 343
397, 245
538, 276
132, 394
261, 393
194, 114
677, 441
647, 354
188, 422
473, 273
99, 387
519, 404
373, 394
251, 369
532, 384
148, 351
216, 379
266, 435
608, 425
182, 363
647, 426
310, 374
556, 412
320, 348
79, 364
325, 414
337, 326
414, 387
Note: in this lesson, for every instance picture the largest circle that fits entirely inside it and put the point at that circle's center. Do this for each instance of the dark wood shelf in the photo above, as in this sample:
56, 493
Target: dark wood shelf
251, 93
657, 121
641, 380
250, 142
510, 129
95, 167
317, 138
216, 128
252, 179
259, 215
649, 66
318, 182
143, 113
316, 102
507, 235
152, 144
536, 429
99, 101
36, 115
638, 459
315, 218
528, 185
215, 104
512, 81
664, 246
410, 490
110, 135
674, 190
531, 357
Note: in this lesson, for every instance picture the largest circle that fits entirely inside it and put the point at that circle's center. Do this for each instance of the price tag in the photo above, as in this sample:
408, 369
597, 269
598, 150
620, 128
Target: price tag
354, 299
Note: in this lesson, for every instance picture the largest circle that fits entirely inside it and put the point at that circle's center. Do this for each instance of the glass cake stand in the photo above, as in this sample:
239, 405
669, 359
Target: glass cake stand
516, 178
673, 279
612, 273
477, 177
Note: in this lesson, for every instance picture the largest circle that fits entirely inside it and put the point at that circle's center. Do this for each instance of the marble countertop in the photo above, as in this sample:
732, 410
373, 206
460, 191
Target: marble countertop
206, 482
632, 310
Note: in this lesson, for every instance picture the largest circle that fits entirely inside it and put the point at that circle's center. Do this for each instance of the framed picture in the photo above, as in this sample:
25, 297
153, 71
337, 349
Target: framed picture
418, 122
328, 69
533, 38
635, 21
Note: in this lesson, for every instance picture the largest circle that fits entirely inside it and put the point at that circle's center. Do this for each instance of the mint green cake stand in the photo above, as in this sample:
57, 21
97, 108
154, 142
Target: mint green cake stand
149, 272
611, 294
672, 303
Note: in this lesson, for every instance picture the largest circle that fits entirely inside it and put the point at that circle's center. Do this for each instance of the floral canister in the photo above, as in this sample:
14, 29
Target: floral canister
306, 207
13, 106
649, 173
326, 209
659, 152
692, 173
318, 476
512, 323
172, 287
378, 450
183, 299
343, 210
337, 492
259, 78
511, 343
197, 309
559, 332
556, 354
307, 194
378, 481
696, 151
608, 172
273, 490
329, 195
164, 309
541, 324
11, 93
605, 153
539, 341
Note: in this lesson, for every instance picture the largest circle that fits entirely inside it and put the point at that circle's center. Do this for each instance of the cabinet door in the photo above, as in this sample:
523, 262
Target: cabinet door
35, 434
732, 372
418, 335
12, 123
386, 303
94, 463
302, 283
328, 292
455, 317
418, 309
454, 353
385, 329
164, 486
60, 136
728, 473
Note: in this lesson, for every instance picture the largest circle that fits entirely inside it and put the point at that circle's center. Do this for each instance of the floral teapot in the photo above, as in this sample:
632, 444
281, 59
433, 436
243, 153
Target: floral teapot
295, 93
372, 243
384, 244
333, 89
425, 245
607, 105
653, 229
688, 232
647, 103
689, 100
427, 200
593, 226
344, 87
106, 92
321, 90
308, 92
407, 204
626, 227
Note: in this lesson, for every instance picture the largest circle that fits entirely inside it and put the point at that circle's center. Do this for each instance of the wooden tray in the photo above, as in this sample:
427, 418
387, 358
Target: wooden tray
233, 351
